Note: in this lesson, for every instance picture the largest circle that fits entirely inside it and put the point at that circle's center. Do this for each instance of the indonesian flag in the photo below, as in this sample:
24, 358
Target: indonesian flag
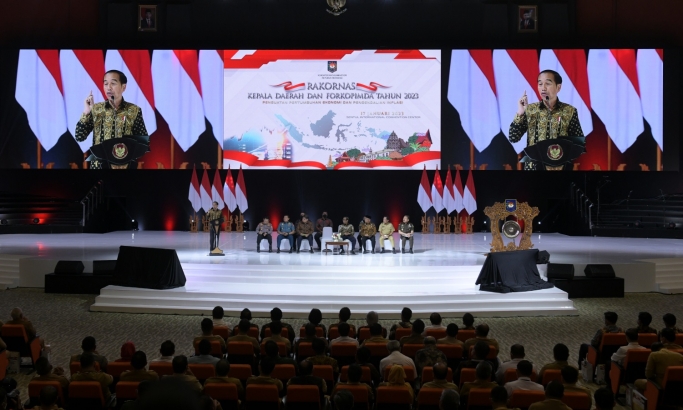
82, 73
241, 192
211, 78
424, 198
650, 64
437, 192
179, 94
194, 195
615, 94
516, 71
136, 65
472, 92
216, 191
458, 193
205, 191
229, 192
448, 196
469, 198
39, 91
571, 65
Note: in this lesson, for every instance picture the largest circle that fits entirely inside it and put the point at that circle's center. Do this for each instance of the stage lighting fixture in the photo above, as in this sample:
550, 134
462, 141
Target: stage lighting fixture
36, 221
134, 224
4, 221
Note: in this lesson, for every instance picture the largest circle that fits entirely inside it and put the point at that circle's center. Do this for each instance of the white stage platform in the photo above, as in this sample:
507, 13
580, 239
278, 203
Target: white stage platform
439, 276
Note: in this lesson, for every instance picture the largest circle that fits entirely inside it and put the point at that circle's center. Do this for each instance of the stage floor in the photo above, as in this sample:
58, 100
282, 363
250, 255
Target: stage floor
439, 276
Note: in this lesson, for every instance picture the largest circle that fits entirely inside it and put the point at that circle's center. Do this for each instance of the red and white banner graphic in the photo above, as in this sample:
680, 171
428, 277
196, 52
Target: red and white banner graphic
289, 86
211, 79
650, 63
372, 87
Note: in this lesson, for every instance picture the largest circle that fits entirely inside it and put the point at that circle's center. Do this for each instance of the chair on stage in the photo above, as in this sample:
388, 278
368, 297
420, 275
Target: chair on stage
263, 243
326, 236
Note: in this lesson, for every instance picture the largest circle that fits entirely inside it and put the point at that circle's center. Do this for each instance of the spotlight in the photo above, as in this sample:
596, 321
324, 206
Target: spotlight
134, 224
539, 222
36, 221
3, 222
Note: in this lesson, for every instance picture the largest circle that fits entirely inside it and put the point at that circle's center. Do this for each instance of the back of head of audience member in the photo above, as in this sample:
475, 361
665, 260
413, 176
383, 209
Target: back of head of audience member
139, 359
245, 314
218, 312
656, 346
371, 318
167, 348
207, 326
393, 346
305, 368
468, 320
435, 318
452, 330
632, 334
43, 366
344, 329
272, 349
267, 365
48, 396
669, 320
315, 316
276, 314
16, 314
343, 400
481, 350
344, 314
243, 326
318, 346
561, 352
429, 341
440, 371
222, 368
406, 314
275, 328
87, 361
611, 318
482, 330
483, 371
179, 364
604, 399
127, 350
204, 347
450, 400
499, 397
88, 344
644, 318
355, 373
517, 352
667, 335
310, 331
569, 374
418, 327
554, 390
376, 329
524, 368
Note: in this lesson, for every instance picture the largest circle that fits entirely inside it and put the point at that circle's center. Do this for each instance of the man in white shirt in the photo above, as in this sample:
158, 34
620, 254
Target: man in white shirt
395, 356
523, 382
632, 338
516, 355
167, 352
435, 320
204, 357
217, 314
343, 328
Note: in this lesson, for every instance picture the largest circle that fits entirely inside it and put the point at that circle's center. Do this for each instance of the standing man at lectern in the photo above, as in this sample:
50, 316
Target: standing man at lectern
113, 118
215, 217
547, 119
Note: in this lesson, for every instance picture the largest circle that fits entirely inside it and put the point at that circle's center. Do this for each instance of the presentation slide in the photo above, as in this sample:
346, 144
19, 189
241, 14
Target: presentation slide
332, 109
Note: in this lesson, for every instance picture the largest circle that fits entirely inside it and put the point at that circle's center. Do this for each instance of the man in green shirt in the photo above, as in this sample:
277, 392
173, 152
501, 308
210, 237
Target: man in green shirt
406, 230
346, 232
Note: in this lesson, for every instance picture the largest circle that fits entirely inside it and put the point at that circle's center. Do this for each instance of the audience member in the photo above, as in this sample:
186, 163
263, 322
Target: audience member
440, 371
429, 356
523, 382
218, 315
48, 399
484, 372
343, 328
88, 374
561, 356
266, 367
222, 371
450, 400
169, 393
660, 360
480, 353
343, 400
554, 392
18, 318
320, 357
644, 320
517, 354
276, 317
406, 315
363, 359
416, 334
88, 345
668, 338
468, 321
481, 333
315, 317
499, 398
142, 390
435, 322
354, 375
370, 319
309, 336
276, 336
245, 315
204, 357
609, 327
46, 373
604, 399
656, 346
451, 336
632, 338
273, 352
127, 352
242, 336
395, 356
181, 371
167, 351
306, 378
344, 316
207, 403
397, 378
139, 372
570, 380
207, 334
670, 322
376, 335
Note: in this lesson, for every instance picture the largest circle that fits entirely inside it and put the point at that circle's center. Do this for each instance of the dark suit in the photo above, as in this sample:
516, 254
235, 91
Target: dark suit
529, 24
144, 24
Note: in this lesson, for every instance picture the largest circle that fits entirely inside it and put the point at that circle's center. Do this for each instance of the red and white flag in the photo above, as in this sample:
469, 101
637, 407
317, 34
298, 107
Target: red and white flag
448, 195
469, 198
194, 196
516, 72
437, 192
82, 73
424, 197
211, 78
571, 65
458, 192
650, 64
615, 94
136, 65
217, 190
229, 192
178, 94
39, 91
205, 191
241, 192
472, 92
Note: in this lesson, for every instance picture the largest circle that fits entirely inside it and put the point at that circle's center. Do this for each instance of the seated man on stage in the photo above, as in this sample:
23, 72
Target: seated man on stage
305, 231
548, 119
346, 232
264, 230
386, 231
215, 217
319, 225
285, 230
406, 230
367, 231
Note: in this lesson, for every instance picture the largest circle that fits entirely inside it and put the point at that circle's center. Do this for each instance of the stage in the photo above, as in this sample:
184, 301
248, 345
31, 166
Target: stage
439, 276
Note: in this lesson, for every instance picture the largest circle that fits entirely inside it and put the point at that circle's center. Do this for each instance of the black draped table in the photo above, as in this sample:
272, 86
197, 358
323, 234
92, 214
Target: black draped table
513, 271
151, 268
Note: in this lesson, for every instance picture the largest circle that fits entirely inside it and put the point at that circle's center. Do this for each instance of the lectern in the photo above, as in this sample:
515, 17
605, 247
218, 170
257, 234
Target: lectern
556, 154
120, 153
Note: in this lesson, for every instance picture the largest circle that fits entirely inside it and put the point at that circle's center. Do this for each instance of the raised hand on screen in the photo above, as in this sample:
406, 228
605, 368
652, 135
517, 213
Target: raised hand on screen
522, 104
89, 102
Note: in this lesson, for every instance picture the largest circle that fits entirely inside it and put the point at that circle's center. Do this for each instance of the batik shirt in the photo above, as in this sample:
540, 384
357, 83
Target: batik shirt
345, 230
540, 123
368, 229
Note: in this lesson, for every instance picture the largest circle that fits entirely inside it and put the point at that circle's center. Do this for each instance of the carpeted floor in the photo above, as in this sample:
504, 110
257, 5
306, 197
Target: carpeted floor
63, 321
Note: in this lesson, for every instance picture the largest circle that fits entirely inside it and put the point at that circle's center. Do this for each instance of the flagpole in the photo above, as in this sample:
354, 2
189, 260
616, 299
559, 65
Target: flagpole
220, 157
39, 154
471, 155
609, 153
